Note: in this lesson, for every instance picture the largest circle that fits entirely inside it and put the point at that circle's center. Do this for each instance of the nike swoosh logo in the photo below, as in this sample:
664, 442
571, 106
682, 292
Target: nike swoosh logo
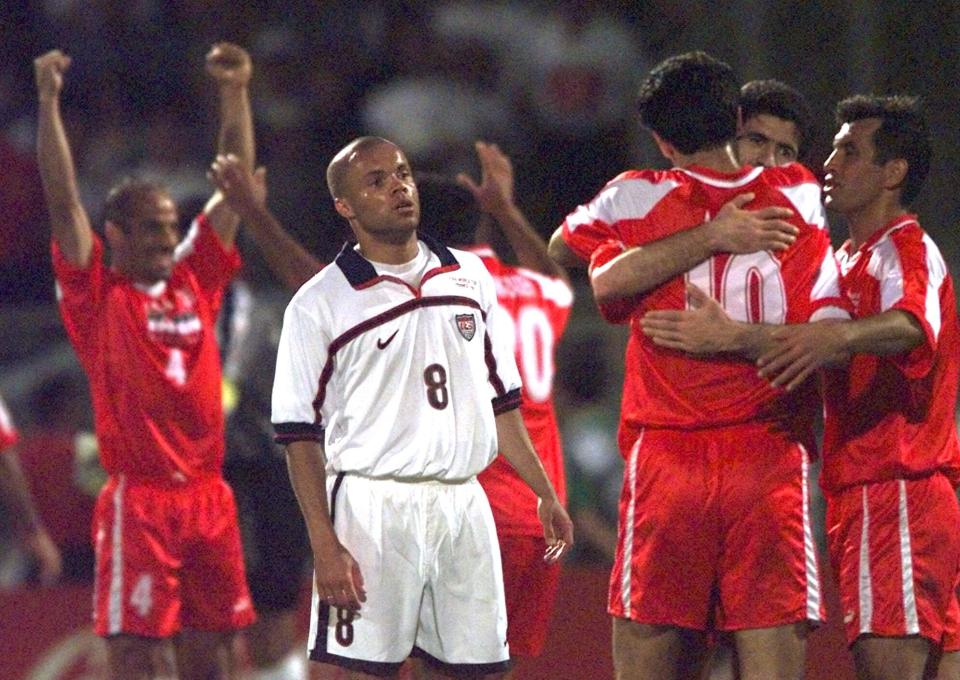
383, 343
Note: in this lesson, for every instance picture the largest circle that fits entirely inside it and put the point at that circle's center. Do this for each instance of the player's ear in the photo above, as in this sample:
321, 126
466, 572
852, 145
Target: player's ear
343, 208
894, 172
668, 150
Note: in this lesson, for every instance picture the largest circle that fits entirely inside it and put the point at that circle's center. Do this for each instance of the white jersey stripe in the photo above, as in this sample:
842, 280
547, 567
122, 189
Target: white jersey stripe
809, 545
910, 620
724, 183
621, 200
866, 588
626, 576
115, 608
936, 273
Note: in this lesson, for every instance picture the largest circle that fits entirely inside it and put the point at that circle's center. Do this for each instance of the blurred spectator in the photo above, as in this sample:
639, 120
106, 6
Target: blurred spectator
593, 461
57, 454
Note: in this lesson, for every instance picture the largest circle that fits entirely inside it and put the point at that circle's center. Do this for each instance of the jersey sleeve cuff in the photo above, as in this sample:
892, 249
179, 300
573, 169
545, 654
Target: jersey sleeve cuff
507, 402
287, 433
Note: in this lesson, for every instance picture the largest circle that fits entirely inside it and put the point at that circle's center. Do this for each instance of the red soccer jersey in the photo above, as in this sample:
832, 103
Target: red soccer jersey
8, 433
151, 357
893, 417
667, 388
538, 307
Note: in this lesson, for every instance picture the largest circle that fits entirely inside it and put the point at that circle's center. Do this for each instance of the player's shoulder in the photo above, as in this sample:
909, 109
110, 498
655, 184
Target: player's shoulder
634, 193
801, 188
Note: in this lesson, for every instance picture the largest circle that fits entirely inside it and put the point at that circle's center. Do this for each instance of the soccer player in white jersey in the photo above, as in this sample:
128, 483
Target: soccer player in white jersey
393, 390
890, 455
535, 297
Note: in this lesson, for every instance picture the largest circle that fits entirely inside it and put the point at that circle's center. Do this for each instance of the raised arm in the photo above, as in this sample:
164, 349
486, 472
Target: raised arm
69, 221
734, 230
230, 66
246, 193
495, 197
515, 445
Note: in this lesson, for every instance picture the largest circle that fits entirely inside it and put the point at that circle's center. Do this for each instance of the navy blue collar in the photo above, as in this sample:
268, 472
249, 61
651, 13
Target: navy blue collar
360, 272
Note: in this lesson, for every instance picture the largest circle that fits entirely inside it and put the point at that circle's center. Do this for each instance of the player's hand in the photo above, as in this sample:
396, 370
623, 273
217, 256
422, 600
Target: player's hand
339, 581
48, 70
737, 230
494, 194
229, 64
801, 349
243, 190
557, 528
45, 551
702, 329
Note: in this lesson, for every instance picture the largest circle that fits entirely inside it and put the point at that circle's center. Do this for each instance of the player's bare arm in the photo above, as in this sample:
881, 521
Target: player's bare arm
734, 230
230, 67
705, 329
69, 221
560, 252
15, 494
495, 196
246, 193
801, 349
338, 579
516, 447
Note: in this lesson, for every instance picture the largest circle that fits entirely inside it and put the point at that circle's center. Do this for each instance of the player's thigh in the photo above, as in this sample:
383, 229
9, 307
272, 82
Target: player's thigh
463, 619
381, 524
134, 656
895, 547
213, 585
769, 569
530, 586
205, 654
775, 653
137, 587
653, 652
890, 658
669, 523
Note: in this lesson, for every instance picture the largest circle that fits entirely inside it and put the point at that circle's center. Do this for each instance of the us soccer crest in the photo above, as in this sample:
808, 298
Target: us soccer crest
467, 325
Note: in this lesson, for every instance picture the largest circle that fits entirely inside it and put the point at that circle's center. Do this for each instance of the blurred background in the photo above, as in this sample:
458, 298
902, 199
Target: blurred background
551, 82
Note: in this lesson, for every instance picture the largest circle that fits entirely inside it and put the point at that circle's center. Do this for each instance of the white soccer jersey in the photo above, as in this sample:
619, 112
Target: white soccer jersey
399, 381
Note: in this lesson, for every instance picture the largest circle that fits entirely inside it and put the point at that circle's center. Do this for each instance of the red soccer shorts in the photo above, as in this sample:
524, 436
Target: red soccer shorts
530, 586
715, 531
168, 557
895, 547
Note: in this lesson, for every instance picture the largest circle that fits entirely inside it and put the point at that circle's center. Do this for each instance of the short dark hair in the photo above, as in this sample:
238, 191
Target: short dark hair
776, 98
902, 134
448, 211
690, 100
125, 195
337, 169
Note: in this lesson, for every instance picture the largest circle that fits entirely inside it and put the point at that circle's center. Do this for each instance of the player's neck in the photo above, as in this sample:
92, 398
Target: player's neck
387, 251
867, 221
718, 159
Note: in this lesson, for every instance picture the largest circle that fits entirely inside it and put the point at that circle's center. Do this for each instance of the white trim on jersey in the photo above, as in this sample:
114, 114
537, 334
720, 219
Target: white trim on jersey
814, 597
626, 578
621, 199
806, 199
910, 619
865, 594
6, 420
724, 183
115, 608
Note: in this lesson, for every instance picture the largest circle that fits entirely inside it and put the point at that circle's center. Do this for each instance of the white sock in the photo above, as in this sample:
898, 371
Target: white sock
291, 667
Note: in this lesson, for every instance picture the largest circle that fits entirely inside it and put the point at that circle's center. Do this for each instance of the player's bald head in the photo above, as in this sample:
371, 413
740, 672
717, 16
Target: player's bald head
340, 165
